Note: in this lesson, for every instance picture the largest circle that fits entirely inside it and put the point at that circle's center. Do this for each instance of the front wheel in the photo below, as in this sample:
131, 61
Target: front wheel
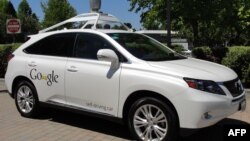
152, 120
26, 99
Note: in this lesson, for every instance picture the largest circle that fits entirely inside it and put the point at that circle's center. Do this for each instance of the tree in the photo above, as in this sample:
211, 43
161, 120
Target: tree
30, 22
129, 25
213, 22
56, 11
24, 9
7, 8
10, 10
2, 20
3, 4
153, 13
6, 11
2, 28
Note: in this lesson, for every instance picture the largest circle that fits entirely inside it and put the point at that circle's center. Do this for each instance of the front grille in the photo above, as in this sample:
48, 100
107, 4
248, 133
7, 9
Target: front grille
234, 87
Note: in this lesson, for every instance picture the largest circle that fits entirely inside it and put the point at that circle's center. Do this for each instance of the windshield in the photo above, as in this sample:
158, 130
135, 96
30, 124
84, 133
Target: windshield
145, 48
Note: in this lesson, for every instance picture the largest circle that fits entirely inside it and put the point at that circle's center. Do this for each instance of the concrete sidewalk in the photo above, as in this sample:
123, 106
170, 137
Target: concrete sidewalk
2, 85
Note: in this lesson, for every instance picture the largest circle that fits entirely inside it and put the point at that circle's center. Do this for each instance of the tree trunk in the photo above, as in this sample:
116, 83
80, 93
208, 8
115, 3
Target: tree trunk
195, 33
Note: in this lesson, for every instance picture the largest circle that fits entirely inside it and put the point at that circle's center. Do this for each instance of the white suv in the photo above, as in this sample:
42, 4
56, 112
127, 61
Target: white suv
122, 75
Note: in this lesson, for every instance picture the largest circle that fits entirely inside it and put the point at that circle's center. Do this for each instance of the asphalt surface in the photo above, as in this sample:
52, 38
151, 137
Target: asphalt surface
56, 125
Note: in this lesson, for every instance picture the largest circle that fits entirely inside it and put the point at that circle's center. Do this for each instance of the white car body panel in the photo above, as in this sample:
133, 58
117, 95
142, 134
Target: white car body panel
17, 68
99, 82
132, 80
51, 86
203, 69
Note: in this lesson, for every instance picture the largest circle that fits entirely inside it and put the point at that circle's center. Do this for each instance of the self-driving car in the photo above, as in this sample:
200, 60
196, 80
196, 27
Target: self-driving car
125, 76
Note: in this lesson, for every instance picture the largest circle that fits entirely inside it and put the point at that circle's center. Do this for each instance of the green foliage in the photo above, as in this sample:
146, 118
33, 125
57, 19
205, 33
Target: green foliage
24, 8
152, 12
238, 58
215, 54
204, 53
10, 10
30, 23
129, 25
205, 22
3, 5
178, 48
56, 11
5, 50
2, 27
247, 77
219, 53
6, 11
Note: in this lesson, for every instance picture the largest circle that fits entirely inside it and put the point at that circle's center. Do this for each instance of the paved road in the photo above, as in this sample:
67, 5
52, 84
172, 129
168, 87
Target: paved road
56, 125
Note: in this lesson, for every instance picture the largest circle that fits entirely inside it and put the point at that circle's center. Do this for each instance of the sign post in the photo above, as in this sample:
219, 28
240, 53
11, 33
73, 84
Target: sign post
13, 26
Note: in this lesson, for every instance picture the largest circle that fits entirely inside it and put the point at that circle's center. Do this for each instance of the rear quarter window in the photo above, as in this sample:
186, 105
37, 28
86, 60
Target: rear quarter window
60, 45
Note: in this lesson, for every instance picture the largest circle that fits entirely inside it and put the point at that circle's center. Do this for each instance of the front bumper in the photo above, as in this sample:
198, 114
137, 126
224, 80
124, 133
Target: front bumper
197, 109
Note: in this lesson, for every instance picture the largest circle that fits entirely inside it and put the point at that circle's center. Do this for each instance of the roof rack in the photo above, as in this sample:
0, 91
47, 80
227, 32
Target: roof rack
94, 20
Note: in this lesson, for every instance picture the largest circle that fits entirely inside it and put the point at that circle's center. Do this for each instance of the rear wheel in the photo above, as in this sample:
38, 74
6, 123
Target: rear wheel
152, 120
26, 99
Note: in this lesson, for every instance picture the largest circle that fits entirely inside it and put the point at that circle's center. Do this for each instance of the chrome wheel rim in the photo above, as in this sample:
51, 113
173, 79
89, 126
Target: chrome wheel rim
25, 99
150, 123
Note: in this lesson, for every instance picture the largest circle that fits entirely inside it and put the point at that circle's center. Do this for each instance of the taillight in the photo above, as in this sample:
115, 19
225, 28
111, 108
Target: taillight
9, 57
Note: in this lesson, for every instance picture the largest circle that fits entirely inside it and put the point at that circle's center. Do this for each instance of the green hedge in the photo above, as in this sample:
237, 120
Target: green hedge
219, 53
238, 58
178, 48
204, 53
5, 50
246, 80
215, 54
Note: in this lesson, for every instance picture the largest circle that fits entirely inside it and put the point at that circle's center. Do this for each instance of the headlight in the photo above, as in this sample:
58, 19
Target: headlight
204, 85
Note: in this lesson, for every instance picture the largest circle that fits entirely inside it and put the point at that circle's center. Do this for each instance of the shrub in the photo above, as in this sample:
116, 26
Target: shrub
219, 53
204, 53
177, 48
246, 76
238, 58
215, 54
5, 50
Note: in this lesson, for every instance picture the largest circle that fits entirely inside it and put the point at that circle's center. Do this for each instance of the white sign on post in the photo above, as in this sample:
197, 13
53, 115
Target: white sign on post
13, 26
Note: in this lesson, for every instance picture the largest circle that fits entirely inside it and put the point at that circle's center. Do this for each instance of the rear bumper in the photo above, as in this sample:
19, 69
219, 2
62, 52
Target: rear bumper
8, 83
200, 109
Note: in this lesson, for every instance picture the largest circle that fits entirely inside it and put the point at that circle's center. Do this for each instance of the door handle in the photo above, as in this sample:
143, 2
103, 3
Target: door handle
32, 64
72, 69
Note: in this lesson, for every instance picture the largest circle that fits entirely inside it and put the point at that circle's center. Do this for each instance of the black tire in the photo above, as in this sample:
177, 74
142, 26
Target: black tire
172, 125
35, 106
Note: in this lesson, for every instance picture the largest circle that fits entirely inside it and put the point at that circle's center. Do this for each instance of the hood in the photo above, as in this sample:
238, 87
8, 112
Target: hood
197, 69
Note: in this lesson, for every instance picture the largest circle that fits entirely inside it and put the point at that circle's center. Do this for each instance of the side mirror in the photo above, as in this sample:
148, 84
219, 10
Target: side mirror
108, 55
